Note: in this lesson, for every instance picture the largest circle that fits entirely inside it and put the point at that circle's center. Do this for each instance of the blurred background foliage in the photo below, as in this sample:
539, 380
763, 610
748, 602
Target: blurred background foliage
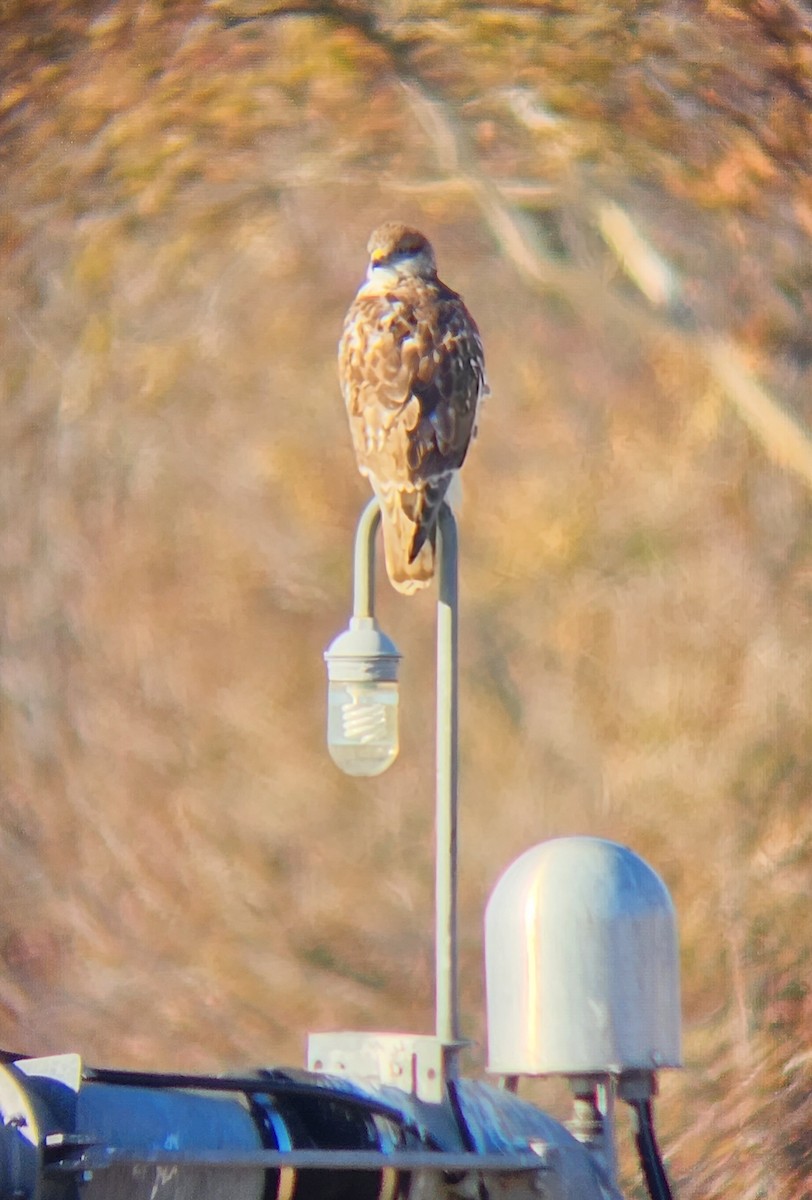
623, 193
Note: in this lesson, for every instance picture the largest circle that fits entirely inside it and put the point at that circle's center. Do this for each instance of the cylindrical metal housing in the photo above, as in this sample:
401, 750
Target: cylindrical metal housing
148, 1119
582, 963
141, 1136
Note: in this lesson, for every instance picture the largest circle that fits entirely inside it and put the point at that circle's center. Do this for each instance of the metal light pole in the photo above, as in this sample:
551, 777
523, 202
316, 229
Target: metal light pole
364, 653
447, 767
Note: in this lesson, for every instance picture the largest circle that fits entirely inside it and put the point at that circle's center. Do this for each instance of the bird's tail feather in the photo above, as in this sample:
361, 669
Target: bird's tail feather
409, 516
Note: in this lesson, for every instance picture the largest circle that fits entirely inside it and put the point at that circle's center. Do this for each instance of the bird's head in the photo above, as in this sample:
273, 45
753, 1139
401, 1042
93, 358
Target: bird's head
398, 252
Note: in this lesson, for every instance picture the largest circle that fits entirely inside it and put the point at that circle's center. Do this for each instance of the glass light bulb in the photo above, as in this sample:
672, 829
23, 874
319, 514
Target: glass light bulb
362, 725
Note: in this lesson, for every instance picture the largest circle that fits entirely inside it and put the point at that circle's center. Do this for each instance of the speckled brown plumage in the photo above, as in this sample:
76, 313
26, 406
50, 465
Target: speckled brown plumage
412, 375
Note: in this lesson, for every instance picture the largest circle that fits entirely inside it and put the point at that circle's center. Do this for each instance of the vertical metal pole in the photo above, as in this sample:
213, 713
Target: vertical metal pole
446, 970
446, 997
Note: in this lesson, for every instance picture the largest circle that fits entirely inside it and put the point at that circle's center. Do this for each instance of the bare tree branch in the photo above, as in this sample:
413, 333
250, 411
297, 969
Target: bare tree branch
783, 437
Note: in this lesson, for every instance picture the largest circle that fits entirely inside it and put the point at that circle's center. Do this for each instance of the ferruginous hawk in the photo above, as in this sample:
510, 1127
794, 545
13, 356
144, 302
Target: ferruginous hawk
412, 374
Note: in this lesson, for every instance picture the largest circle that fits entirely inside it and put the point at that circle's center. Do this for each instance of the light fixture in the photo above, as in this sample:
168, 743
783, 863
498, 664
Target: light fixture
362, 733
362, 698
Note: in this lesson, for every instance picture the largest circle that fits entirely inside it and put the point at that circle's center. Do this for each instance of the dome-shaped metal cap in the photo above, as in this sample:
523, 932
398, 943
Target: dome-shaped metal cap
582, 963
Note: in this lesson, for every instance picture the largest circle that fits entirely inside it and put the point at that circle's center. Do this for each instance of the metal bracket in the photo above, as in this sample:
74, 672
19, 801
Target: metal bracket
414, 1063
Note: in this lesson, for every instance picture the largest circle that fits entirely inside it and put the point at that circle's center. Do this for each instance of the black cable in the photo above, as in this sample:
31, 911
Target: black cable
648, 1151
10, 1056
466, 1136
274, 1083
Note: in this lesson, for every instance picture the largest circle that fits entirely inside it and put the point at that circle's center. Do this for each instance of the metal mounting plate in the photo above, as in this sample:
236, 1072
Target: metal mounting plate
415, 1063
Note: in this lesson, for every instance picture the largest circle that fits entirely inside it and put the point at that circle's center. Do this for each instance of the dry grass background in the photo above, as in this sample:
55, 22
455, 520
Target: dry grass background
187, 192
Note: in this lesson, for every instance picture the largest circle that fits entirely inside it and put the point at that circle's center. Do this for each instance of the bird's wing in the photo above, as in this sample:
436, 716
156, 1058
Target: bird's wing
412, 374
